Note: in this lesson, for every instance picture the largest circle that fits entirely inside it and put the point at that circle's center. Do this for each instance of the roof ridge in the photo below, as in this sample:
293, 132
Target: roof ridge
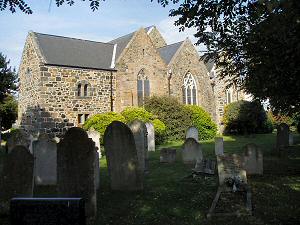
171, 44
121, 37
80, 39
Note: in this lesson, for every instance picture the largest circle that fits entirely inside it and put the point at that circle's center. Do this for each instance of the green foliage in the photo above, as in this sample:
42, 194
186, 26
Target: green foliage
202, 120
176, 118
132, 113
280, 118
8, 111
100, 121
243, 117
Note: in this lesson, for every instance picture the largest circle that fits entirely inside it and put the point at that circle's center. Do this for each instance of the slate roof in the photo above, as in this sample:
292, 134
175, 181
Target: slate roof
167, 52
121, 43
72, 52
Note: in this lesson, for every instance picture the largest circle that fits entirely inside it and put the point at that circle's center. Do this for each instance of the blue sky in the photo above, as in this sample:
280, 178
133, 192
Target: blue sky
114, 18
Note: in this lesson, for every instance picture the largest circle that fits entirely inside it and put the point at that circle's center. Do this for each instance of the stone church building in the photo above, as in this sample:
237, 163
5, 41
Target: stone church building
65, 80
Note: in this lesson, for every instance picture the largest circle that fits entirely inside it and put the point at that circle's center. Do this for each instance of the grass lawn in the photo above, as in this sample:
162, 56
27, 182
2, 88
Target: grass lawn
168, 199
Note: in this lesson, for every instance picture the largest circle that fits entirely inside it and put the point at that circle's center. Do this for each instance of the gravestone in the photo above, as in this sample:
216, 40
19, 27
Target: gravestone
219, 146
151, 136
231, 167
253, 159
139, 131
45, 161
122, 159
47, 211
291, 139
192, 132
191, 151
167, 155
32, 139
206, 166
95, 136
18, 137
16, 179
282, 136
97, 170
76, 169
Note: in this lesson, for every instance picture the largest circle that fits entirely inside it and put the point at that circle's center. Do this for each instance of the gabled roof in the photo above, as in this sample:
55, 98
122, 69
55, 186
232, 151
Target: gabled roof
167, 52
209, 65
121, 43
72, 52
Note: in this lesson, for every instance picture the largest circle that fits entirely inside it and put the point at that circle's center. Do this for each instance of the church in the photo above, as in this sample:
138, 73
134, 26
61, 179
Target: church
64, 80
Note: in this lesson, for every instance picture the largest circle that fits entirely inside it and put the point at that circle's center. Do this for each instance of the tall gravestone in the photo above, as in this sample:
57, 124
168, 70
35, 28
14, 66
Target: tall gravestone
191, 151
19, 137
45, 161
16, 179
122, 159
219, 146
139, 131
151, 136
253, 159
282, 136
291, 139
192, 132
76, 169
95, 136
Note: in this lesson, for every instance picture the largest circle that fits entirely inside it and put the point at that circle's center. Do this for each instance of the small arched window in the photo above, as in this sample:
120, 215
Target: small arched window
79, 90
189, 90
85, 90
143, 87
228, 95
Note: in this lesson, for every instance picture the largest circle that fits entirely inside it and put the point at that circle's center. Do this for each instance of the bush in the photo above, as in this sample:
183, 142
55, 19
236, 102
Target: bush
176, 118
280, 118
243, 117
132, 113
202, 120
100, 121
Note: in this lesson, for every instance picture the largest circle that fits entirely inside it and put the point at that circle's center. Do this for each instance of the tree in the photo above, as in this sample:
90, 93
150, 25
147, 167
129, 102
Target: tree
8, 111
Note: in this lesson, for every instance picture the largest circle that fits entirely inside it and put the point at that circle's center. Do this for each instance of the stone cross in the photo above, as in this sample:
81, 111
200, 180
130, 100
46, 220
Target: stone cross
76, 169
191, 151
16, 179
151, 136
45, 161
282, 136
219, 146
253, 159
192, 132
139, 131
122, 158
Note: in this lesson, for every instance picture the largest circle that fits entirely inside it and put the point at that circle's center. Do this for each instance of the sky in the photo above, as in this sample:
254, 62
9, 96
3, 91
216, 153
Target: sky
114, 18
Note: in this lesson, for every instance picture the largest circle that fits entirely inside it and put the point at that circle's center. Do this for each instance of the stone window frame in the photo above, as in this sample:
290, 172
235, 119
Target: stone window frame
28, 71
189, 84
82, 118
144, 83
83, 89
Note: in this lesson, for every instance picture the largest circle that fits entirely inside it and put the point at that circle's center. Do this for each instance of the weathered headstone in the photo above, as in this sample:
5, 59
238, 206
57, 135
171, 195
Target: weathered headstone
139, 131
167, 155
45, 161
32, 139
207, 166
76, 169
16, 179
219, 146
291, 139
282, 136
97, 170
95, 136
231, 167
18, 137
122, 159
253, 159
191, 151
151, 136
192, 132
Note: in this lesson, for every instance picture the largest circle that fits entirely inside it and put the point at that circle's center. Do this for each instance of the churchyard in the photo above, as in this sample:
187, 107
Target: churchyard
169, 192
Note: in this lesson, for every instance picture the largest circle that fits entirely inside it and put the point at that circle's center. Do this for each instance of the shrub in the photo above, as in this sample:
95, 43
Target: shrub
132, 113
176, 118
243, 117
202, 120
100, 121
280, 118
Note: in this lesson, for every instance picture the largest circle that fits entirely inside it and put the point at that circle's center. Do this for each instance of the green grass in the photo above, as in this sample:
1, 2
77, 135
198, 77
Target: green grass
168, 199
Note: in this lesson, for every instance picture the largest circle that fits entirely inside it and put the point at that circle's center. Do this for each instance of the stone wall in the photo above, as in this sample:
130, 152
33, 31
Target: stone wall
156, 38
187, 60
139, 54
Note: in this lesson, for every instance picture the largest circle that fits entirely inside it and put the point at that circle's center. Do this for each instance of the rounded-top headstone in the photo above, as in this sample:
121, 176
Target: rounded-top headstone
192, 132
282, 135
122, 158
151, 136
191, 151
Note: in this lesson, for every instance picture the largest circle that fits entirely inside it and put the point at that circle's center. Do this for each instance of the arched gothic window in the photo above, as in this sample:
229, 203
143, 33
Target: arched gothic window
85, 90
79, 90
189, 90
143, 87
